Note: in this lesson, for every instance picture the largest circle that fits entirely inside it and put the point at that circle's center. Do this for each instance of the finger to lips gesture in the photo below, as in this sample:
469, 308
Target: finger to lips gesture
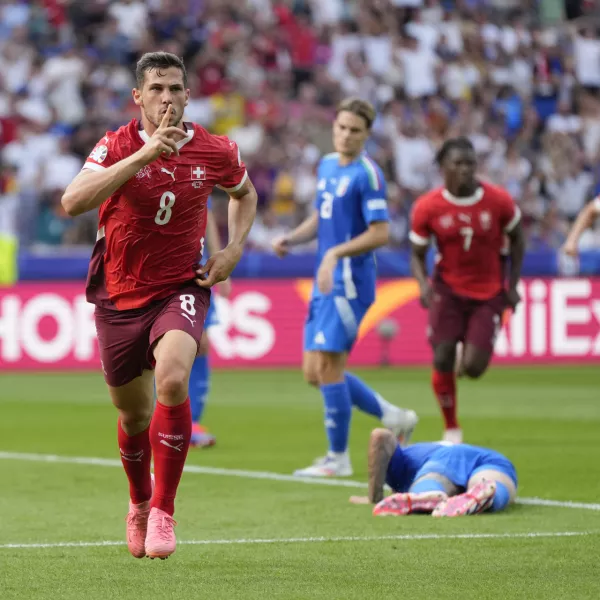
164, 140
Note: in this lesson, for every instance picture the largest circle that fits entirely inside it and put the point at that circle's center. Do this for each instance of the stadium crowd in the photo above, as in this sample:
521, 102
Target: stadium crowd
269, 73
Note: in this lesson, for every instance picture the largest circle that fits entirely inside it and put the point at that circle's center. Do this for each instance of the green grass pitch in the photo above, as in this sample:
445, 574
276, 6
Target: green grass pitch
314, 543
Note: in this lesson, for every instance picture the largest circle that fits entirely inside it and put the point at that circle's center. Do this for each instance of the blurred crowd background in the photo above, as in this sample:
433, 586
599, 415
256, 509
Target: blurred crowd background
523, 84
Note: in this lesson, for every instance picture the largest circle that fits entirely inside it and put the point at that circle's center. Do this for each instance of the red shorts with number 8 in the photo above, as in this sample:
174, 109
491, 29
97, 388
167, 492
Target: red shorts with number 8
127, 337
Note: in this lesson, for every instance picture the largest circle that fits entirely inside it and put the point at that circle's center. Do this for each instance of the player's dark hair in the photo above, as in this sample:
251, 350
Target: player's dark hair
158, 61
458, 143
358, 107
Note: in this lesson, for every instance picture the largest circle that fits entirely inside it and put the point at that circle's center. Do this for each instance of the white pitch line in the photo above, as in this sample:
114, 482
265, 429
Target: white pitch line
558, 503
314, 540
110, 462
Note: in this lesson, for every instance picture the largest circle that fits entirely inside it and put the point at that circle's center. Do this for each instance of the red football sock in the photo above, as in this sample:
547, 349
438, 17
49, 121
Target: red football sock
170, 433
136, 455
444, 388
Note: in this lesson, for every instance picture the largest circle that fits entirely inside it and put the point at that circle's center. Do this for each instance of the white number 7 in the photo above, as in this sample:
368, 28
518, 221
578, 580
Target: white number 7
467, 233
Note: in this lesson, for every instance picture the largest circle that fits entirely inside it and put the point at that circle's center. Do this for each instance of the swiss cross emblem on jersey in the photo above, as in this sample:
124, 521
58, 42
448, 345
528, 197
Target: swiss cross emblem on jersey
198, 172
485, 218
446, 221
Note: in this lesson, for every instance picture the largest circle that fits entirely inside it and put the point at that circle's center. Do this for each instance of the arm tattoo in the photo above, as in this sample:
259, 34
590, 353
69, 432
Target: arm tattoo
381, 450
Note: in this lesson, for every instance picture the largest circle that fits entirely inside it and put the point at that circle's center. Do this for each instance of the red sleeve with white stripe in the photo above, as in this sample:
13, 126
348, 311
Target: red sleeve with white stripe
235, 174
105, 154
420, 231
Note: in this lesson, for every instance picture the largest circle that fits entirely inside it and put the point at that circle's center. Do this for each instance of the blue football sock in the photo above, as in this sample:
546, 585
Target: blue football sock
501, 498
427, 485
363, 397
198, 388
338, 410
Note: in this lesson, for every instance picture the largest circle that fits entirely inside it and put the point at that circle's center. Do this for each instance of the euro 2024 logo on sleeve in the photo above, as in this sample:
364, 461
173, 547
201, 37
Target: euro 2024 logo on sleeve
99, 154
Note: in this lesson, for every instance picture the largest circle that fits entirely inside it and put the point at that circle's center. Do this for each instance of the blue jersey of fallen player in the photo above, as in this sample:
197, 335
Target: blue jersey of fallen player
457, 462
349, 198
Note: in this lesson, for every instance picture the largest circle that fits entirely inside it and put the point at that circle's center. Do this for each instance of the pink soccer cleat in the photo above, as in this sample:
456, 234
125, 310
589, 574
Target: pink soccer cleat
406, 503
137, 524
160, 539
201, 437
476, 500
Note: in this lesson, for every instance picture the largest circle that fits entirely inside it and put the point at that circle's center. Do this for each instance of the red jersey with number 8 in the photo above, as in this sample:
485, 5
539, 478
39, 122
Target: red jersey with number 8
470, 236
151, 229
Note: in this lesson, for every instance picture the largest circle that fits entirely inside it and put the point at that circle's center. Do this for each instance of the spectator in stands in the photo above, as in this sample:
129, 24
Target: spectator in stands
270, 72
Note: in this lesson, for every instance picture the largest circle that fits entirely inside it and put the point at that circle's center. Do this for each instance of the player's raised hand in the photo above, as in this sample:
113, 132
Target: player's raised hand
163, 141
280, 246
325, 273
218, 267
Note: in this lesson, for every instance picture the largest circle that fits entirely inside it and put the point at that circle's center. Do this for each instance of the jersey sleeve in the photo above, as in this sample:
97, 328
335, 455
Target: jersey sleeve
420, 231
234, 172
510, 213
105, 154
596, 205
374, 194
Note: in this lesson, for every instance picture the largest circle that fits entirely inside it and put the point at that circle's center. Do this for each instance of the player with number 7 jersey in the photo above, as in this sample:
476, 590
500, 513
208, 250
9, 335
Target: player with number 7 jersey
151, 180
469, 220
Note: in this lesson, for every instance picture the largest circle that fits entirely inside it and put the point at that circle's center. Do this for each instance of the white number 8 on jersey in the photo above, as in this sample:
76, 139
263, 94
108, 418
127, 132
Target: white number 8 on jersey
163, 216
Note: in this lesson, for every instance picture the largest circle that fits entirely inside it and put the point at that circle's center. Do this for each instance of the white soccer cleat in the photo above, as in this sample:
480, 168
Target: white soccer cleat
332, 465
401, 423
453, 436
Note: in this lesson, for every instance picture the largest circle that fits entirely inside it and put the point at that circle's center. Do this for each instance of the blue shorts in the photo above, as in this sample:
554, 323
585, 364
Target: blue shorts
211, 316
460, 462
332, 323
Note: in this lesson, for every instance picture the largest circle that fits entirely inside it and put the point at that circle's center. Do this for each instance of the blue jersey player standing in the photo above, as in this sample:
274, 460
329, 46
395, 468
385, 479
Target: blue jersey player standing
350, 221
438, 478
199, 383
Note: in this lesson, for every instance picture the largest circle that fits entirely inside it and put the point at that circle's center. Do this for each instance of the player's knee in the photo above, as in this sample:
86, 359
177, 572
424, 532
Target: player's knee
311, 376
330, 369
444, 358
474, 369
135, 420
311, 372
172, 385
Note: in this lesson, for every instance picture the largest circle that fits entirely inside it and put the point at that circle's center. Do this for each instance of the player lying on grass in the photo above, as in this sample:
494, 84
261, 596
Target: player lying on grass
445, 480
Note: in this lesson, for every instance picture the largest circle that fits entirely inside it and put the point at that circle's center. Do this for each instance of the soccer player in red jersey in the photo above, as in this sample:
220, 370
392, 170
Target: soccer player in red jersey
151, 180
469, 220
